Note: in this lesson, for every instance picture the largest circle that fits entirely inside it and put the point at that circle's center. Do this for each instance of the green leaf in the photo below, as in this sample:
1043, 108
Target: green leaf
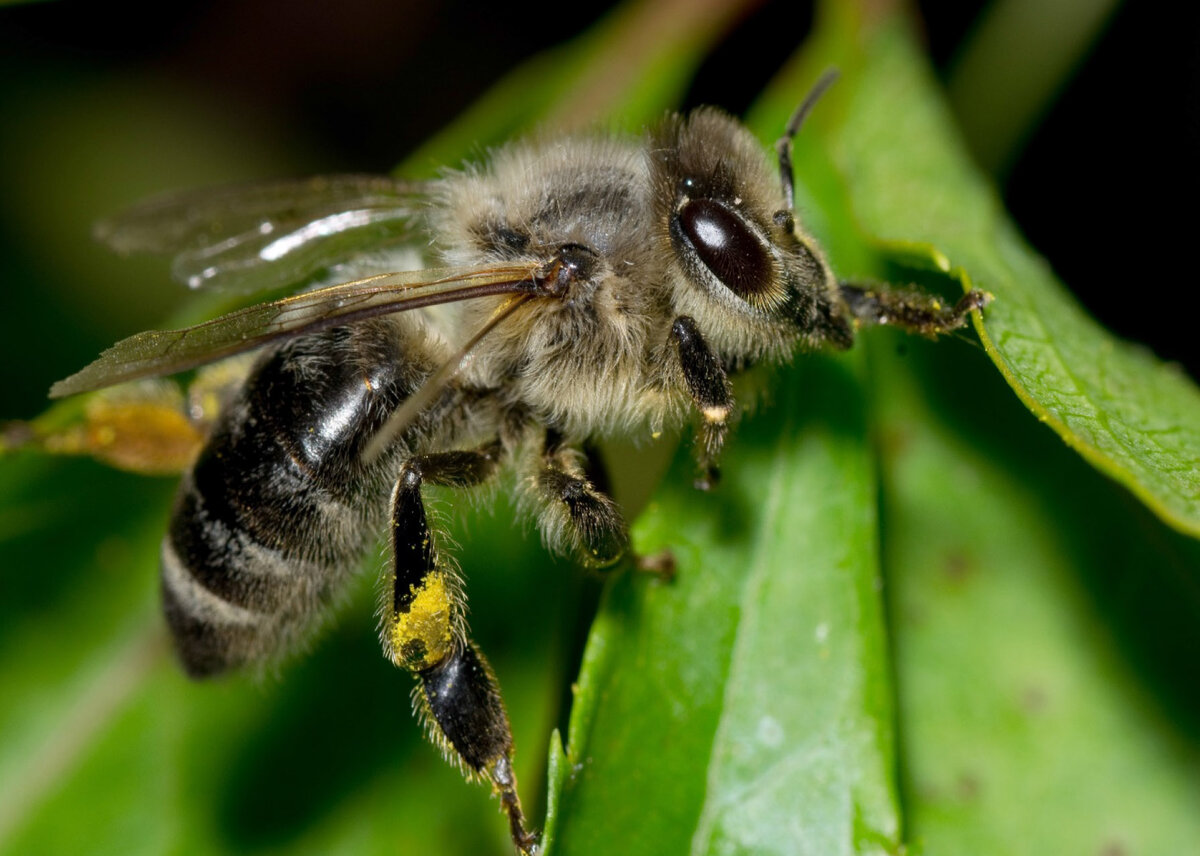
745, 707
1044, 629
908, 179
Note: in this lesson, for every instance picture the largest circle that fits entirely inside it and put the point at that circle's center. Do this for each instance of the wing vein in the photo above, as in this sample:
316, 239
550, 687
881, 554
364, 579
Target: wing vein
160, 352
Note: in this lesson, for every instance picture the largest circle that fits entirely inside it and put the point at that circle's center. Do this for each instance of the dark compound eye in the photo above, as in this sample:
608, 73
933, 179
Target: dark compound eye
727, 246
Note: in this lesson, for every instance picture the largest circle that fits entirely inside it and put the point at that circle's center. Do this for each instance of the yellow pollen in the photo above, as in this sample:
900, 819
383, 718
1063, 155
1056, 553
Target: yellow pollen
426, 623
715, 414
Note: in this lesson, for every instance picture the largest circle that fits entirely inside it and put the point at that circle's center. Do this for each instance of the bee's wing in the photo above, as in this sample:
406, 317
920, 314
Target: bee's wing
254, 237
166, 352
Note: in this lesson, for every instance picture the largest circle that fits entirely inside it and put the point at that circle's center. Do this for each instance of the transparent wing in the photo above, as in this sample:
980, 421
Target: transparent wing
165, 352
255, 237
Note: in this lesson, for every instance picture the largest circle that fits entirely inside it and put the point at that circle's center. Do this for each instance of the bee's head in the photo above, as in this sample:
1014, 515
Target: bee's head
739, 264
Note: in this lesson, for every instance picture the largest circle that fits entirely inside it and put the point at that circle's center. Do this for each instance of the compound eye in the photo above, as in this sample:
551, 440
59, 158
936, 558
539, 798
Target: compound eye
727, 247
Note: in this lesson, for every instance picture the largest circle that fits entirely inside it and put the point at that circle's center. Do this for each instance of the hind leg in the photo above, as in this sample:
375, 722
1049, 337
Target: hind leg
425, 631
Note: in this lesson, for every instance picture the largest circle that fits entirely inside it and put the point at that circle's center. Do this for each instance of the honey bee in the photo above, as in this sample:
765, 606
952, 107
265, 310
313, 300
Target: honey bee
580, 286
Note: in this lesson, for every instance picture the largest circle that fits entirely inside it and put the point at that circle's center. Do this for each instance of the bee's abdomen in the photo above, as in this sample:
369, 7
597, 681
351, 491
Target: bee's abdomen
279, 505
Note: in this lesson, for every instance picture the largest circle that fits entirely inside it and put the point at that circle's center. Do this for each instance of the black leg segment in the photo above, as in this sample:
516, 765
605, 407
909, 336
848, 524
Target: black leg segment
581, 517
909, 309
465, 703
412, 543
709, 388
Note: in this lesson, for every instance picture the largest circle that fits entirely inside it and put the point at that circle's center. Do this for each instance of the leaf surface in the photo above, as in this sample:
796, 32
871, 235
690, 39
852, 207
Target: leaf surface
745, 707
910, 183
1044, 629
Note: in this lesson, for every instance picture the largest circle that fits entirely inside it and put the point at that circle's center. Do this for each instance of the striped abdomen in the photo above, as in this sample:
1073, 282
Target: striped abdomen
279, 507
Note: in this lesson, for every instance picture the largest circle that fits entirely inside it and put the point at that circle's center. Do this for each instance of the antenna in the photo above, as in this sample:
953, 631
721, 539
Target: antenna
784, 146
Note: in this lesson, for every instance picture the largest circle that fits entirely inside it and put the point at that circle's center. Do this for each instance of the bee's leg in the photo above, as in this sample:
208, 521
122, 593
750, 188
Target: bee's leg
709, 388
457, 696
909, 309
577, 517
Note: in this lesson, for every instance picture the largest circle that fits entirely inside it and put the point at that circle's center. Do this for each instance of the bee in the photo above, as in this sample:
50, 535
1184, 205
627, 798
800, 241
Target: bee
577, 287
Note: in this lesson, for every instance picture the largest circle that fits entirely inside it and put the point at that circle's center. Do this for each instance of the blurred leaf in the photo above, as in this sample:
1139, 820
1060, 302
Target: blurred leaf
907, 177
1000, 94
625, 71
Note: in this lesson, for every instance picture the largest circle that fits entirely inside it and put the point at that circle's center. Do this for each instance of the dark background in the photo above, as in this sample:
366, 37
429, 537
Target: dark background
1105, 188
